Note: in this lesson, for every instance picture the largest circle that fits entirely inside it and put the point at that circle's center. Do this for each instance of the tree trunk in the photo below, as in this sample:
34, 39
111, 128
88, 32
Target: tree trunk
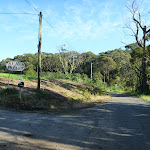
145, 86
104, 80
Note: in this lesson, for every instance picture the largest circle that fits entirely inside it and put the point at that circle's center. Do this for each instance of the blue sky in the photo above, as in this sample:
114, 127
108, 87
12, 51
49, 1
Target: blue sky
82, 25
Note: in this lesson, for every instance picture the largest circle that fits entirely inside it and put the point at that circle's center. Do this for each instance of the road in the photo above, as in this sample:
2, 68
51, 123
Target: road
123, 123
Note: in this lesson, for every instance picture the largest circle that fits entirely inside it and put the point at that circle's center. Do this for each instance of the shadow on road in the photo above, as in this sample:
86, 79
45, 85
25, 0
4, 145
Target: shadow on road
109, 126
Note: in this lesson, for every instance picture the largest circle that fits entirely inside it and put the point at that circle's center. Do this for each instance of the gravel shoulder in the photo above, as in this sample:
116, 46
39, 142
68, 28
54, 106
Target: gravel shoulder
120, 123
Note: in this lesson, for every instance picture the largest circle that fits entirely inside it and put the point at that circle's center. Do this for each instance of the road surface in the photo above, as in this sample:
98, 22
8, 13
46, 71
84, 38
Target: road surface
123, 123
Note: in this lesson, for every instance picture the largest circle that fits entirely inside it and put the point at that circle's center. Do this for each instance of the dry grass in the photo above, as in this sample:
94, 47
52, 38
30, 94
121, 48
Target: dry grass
54, 95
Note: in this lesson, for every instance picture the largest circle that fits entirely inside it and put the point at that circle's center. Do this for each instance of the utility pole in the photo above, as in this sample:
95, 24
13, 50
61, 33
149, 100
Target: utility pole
39, 50
91, 70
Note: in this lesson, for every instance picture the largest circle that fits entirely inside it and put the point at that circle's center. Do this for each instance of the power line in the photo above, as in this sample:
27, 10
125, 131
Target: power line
43, 17
17, 14
32, 6
57, 32
49, 24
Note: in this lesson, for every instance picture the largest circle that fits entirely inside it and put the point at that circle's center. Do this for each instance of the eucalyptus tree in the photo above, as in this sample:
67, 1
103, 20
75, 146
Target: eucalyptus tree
140, 27
70, 59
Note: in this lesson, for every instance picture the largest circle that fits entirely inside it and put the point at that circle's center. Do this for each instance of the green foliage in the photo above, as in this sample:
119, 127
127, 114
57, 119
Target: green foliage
58, 75
145, 97
17, 76
122, 67
114, 88
85, 67
31, 73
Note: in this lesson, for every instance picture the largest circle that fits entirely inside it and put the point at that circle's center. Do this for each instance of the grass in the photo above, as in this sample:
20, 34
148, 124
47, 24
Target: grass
145, 97
17, 76
114, 88
9, 91
49, 76
45, 100
66, 95
23, 77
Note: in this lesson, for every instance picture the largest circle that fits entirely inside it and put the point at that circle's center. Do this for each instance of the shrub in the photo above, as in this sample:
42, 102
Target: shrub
114, 88
31, 73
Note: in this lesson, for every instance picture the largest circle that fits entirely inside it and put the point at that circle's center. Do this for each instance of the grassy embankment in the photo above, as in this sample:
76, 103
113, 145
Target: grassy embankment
143, 96
54, 94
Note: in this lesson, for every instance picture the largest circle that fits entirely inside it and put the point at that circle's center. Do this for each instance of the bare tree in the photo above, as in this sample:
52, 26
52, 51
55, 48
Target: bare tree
140, 27
70, 60
75, 60
64, 58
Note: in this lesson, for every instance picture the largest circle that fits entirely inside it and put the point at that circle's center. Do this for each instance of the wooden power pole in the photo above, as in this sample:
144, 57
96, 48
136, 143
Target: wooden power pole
39, 50
91, 70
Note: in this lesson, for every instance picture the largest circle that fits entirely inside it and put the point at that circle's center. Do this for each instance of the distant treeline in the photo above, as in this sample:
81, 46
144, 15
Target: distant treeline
115, 67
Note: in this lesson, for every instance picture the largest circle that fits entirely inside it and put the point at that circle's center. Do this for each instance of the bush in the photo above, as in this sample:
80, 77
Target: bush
67, 76
31, 73
114, 88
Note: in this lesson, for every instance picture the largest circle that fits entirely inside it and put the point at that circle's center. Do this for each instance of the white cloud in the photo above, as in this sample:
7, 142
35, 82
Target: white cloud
86, 20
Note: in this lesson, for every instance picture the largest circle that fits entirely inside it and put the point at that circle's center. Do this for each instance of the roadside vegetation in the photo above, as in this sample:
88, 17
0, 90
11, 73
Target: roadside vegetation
55, 95
115, 70
144, 96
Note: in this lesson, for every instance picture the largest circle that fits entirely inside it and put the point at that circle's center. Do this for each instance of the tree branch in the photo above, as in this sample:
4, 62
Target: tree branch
137, 36
148, 31
136, 21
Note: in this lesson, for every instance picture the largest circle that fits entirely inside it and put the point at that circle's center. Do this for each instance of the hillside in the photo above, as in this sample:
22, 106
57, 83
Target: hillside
54, 95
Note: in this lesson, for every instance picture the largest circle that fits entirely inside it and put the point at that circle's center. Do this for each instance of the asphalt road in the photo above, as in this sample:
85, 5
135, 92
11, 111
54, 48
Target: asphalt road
121, 124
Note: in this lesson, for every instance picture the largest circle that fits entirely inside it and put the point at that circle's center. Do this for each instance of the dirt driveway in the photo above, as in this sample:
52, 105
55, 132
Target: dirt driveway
123, 123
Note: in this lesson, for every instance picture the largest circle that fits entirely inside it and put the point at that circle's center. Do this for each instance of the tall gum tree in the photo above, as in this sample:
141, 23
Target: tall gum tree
140, 29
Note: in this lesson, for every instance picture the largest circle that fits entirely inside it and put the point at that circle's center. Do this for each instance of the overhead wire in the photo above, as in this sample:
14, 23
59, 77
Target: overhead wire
49, 24
46, 21
32, 6
42, 15
17, 14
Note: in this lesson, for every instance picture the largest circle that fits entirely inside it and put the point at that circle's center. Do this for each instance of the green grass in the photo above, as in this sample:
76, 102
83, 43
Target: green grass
17, 76
145, 97
47, 76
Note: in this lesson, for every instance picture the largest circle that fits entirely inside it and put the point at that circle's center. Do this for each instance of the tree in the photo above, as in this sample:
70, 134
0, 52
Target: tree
64, 58
75, 60
51, 63
140, 27
3, 65
85, 67
122, 60
107, 65
70, 60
